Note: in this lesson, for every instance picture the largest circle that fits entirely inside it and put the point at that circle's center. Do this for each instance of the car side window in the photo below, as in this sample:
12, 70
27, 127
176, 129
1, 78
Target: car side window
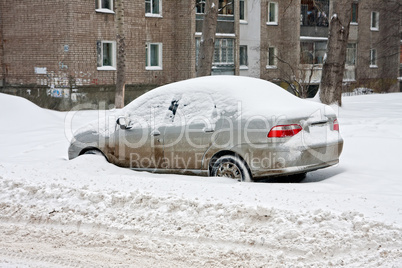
153, 112
195, 107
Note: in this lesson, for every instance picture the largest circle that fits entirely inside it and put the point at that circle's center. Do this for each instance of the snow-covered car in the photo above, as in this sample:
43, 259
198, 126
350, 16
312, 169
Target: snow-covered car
228, 126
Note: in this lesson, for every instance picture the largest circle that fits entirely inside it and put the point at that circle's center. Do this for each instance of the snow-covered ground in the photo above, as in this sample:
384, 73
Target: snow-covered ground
89, 213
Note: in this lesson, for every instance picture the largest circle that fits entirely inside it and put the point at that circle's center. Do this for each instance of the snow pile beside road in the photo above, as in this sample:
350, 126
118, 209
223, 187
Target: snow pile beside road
241, 235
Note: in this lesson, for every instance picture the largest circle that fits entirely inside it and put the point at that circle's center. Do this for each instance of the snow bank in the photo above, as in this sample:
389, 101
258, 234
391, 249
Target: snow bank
269, 235
19, 113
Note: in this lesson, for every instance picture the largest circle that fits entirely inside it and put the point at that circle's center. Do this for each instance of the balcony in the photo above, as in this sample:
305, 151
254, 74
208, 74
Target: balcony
314, 19
225, 25
314, 31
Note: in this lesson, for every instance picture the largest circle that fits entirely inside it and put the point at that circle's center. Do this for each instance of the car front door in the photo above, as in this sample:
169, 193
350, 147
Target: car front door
140, 145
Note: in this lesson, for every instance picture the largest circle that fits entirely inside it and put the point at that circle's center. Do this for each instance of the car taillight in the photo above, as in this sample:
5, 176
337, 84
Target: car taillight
283, 131
336, 125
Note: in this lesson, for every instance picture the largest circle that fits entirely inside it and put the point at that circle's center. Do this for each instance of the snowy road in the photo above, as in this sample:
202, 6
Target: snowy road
88, 213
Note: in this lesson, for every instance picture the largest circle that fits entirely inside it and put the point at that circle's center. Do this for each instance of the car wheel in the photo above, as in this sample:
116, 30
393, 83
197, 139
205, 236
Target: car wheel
95, 152
230, 166
296, 178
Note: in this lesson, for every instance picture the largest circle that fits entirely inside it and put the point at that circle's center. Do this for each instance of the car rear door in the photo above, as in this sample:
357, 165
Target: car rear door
191, 131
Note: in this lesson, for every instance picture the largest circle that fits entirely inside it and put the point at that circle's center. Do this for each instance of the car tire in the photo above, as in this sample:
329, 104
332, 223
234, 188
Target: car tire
295, 178
231, 167
95, 152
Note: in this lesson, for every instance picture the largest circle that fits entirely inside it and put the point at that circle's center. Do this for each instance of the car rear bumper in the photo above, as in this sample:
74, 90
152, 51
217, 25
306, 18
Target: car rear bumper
280, 160
291, 170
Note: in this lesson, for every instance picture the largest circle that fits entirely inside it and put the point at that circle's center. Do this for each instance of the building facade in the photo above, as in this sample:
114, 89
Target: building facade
53, 40
293, 36
58, 45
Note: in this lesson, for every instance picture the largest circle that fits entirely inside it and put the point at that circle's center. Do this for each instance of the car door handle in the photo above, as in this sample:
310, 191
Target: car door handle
208, 130
155, 133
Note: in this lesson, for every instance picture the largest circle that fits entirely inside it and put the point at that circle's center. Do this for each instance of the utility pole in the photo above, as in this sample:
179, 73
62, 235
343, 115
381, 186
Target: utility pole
121, 55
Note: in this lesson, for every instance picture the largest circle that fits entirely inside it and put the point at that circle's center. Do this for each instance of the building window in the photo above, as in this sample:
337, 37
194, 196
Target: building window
224, 51
312, 52
355, 13
314, 13
197, 50
272, 13
106, 54
104, 6
375, 21
271, 57
243, 57
153, 56
226, 7
243, 10
351, 53
200, 6
373, 58
153, 8
400, 54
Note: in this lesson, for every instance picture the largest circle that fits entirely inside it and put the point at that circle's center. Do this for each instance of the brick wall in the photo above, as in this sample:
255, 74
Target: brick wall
2, 69
61, 36
33, 36
284, 37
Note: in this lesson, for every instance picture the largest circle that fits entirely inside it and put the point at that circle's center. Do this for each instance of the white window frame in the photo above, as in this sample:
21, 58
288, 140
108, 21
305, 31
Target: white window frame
314, 53
377, 25
351, 48
270, 66
275, 22
101, 9
354, 4
222, 50
224, 6
243, 66
148, 57
244, 20
152, 14
112, 67
201, 3
373, 58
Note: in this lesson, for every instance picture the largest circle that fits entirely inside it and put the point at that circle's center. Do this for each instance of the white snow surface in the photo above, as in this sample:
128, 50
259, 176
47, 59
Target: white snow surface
89, 213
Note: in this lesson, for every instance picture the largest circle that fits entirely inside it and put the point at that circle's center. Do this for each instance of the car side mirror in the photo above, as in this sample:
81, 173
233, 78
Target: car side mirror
123, 122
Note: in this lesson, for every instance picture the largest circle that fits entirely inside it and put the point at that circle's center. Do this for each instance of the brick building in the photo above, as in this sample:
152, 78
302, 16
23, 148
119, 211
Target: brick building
291, 40
54, 44
62, 39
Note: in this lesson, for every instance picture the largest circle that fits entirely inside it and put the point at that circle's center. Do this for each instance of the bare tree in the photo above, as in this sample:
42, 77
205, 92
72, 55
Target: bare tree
334, 65
207, 43
298, 78
121, 55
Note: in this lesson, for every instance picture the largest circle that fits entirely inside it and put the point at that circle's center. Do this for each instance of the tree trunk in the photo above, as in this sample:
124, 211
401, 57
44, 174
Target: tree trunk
334, 65
121, 55
207, 44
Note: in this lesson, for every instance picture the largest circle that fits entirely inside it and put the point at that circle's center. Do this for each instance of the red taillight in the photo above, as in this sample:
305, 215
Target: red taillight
336, 125
284, 131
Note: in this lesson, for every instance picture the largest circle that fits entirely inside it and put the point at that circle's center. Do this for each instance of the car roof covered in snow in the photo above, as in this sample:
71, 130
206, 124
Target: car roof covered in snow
256, 96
